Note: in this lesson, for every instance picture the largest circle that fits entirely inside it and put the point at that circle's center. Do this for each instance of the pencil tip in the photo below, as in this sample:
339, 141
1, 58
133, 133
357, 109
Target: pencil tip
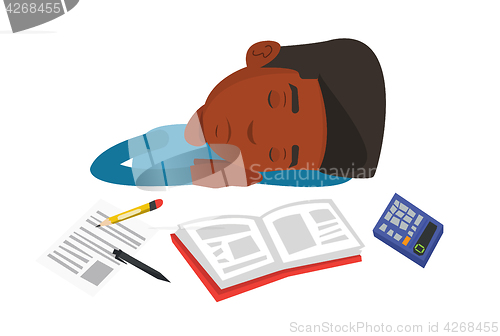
98, 225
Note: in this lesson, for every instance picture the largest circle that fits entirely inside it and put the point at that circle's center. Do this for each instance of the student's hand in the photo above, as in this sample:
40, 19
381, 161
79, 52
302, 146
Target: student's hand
220, 173
193, 132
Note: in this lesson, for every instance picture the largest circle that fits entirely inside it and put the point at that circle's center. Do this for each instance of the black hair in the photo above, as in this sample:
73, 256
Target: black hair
352, 85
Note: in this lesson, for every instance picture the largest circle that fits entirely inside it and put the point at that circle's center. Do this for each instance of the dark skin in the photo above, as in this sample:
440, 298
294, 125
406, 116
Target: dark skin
275, 118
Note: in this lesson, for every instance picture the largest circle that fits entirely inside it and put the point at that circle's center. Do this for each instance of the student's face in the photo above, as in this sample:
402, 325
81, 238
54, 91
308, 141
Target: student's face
274, 117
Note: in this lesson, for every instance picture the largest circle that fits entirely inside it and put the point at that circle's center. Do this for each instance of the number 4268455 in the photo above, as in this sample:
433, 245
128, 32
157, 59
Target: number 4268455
471, 327
25, 8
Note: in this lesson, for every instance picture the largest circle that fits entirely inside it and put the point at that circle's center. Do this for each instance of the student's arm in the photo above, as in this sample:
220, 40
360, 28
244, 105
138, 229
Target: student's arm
301, 178
108, 166
220, 173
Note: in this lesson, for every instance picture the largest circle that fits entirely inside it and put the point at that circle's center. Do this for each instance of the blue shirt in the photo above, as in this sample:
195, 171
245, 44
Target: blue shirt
162, 157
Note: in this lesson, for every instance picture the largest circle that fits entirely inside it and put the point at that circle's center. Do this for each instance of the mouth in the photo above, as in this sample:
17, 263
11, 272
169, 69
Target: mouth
250, 133
228, 131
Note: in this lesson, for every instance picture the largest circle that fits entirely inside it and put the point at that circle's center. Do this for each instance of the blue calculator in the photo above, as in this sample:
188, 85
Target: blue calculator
408, 230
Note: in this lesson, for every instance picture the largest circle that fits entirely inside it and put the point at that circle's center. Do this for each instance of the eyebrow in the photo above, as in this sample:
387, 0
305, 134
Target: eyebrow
295, 156
295, 98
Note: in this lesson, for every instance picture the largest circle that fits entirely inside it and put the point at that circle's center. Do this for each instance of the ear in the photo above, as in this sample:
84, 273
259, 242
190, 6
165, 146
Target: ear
262, 53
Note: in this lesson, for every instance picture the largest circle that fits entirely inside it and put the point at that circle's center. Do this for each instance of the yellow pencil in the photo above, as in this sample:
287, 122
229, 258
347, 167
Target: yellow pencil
133, 212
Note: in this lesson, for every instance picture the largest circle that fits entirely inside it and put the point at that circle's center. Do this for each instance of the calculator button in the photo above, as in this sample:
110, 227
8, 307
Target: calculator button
395, 221
388, 216
419, 219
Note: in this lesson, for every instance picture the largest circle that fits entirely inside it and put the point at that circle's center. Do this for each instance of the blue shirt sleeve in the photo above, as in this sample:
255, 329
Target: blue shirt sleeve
161, 157
108, 166
301, 178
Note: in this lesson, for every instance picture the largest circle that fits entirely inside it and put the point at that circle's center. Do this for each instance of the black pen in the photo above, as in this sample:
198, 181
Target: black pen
124, 257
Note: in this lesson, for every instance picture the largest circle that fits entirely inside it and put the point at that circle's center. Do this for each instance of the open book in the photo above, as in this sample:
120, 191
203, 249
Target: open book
233, 254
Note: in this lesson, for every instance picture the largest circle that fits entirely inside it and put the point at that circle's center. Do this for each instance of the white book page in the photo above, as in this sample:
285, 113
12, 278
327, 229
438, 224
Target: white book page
308, 229
232, 246
84, 254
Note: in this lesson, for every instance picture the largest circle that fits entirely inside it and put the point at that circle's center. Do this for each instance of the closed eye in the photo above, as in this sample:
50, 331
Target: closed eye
275, 98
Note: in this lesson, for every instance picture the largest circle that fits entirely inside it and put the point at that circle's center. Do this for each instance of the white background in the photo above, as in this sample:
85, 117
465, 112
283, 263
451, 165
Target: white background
110, 70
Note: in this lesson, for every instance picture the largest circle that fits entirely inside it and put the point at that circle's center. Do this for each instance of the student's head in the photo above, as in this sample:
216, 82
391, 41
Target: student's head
281, 113
276, 118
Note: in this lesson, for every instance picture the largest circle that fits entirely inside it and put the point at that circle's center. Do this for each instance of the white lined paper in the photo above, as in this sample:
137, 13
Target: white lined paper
84, 254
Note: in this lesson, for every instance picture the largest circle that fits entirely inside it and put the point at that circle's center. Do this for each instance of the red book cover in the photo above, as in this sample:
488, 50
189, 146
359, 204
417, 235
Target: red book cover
221, 294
